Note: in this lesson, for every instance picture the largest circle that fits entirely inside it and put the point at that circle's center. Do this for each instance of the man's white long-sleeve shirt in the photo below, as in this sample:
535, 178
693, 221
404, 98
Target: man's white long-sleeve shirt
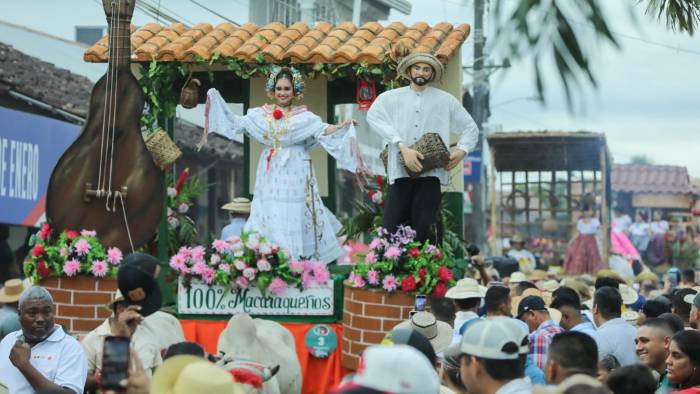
404, 115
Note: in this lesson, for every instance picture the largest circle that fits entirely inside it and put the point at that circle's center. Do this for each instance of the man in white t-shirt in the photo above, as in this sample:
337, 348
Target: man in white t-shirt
41, 356
525, 258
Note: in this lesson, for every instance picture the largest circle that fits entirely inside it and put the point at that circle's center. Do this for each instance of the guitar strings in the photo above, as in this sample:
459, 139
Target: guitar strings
114, 110
110, 43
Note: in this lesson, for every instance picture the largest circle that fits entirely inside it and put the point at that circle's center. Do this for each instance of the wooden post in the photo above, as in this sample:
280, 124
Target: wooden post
605, 227
494, 203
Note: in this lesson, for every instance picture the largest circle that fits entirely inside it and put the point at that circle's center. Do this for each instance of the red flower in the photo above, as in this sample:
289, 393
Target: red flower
439, 290
45, 231
38, 250
181, 179
42, 269
421, 274
277, 114
415, 253
70, 234
408, 283
444, 274
371, 193
380, 181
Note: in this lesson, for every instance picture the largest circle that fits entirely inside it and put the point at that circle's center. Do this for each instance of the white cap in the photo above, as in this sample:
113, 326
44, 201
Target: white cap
487, 338
399, 369
466, 288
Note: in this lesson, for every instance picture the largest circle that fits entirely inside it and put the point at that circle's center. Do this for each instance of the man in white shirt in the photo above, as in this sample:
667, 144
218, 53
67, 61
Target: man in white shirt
41, 356
466, 295
525, 258
401, 117
239, 209
614, 335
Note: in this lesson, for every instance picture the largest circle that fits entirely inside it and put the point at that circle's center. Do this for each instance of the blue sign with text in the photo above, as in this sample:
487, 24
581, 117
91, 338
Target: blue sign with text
30, 146
472, 167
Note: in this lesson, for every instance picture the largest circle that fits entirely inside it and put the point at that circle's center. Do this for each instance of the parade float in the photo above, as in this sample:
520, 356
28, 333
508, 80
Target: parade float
207, 280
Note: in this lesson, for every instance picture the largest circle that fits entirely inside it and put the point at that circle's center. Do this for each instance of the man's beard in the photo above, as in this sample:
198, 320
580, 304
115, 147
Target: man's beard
420, 81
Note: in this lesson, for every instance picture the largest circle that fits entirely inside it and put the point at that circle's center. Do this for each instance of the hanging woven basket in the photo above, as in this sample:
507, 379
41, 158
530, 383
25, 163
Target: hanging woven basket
162, 148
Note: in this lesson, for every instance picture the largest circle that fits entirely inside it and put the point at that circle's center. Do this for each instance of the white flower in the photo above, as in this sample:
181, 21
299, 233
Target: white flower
253, 243
173, 222
172, 192
265, 248
264, 265
183, 208
240, 265
377, 198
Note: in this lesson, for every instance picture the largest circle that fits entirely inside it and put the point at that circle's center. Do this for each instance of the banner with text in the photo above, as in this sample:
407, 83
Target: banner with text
30, 146
199, 298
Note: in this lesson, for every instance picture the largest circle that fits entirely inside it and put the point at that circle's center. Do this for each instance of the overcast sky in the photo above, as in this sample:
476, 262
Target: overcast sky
647, 103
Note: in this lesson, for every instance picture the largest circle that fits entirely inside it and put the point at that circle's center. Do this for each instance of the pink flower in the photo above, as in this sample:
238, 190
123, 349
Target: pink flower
88, 233
277, 286
215, 259
249, 273
197, 253
114, 256
306, 280
220, 245
264, 265
376, 242
373, 277
389, 283
63, 252
358, 281
371, 258
240, 265
183, 208
99, 268
199, 268
208, 275
242, 282
265, 249
377, 198
82, 247
393, 253
253, 243
185, 252
321, 274
177, 262
71, 267
296, 266
225, 268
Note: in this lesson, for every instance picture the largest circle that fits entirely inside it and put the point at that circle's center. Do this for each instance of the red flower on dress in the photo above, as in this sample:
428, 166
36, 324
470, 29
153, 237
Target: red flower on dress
444, 274
415, 253
408, 283
439, 290
277, 114
70, 234
45, 231
42, 269
38, 250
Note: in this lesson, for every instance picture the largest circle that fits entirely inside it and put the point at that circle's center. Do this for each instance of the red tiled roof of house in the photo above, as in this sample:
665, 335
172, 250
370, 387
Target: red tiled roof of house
647, 178
298, 43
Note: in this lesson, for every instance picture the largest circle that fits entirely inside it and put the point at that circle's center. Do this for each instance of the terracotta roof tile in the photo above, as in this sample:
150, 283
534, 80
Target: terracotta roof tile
298, 43
645, 178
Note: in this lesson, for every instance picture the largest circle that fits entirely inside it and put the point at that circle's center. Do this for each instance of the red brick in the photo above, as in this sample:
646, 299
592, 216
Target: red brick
65, 322
357, 348
346, 345
349, 361
399, 298
347, 319
366, 323
352, 334
389, 324
50, 283
79, 282
375, 297
75, 311
91, 298
102, 312
383, 311
61, 296
85, 325
406, 312
108, 285
353, 307
373, 337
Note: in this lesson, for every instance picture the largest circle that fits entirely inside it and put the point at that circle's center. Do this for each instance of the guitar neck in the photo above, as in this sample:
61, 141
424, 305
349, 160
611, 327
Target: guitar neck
120, 44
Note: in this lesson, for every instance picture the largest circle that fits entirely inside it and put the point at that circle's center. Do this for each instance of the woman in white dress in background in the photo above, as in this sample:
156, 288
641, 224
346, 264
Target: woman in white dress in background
281, 207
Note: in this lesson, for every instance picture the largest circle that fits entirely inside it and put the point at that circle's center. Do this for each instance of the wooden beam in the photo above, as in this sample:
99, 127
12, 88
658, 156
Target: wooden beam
605, 225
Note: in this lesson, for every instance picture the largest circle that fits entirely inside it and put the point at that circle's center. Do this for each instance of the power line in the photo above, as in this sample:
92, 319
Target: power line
214, 12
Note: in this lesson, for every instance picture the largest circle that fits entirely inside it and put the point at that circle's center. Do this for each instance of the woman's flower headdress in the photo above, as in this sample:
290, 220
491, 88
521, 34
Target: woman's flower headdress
298, 81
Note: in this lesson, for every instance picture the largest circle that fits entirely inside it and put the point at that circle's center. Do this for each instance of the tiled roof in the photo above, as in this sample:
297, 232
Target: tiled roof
646, 178
298, 43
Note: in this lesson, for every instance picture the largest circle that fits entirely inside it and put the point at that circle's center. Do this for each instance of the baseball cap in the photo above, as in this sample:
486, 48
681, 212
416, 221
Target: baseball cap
398, 369
531, 303
692, 299
466, 288
413, 338
499, 338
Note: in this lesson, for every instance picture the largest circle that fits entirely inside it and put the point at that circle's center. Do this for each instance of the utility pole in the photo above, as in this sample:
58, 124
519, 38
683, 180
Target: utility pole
480, 115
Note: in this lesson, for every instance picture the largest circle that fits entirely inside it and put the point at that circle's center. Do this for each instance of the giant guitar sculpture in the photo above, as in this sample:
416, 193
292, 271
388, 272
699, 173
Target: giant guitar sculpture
107, 180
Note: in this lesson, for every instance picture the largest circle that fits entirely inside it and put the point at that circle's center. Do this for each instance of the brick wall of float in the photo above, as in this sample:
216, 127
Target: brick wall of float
367, 316
80, 301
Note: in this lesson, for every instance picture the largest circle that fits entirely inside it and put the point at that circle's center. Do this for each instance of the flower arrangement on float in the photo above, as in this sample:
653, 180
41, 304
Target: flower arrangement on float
247, 261
70, 253
182, 191
397, 262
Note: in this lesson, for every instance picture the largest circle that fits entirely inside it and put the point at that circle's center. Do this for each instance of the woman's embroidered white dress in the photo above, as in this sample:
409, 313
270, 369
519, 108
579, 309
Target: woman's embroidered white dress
280, 210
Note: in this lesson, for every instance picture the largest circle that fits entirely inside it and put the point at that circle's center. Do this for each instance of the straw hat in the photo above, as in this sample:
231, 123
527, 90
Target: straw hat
416, 57
538, 275
517, 277
550, 285
238, 205
647, 275
516, 239
191, 374
574, 380
466, 288
438, 333
631, 317
12, 291
629, 295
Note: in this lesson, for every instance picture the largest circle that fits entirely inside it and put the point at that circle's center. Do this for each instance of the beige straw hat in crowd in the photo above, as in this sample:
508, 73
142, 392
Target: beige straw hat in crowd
12, 290
238, 205
408, 61
191, 374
